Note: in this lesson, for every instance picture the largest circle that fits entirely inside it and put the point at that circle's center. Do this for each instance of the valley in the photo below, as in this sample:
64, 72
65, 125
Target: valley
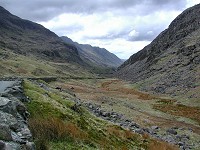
109, 108
113, 95
57, 94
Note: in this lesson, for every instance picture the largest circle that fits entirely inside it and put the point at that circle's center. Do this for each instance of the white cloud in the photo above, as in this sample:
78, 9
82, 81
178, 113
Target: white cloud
150, 33
124, 49
192, 2
133, 33
122, 27
122, 35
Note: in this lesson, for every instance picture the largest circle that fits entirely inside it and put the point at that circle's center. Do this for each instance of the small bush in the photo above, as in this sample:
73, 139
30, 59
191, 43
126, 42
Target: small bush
42, 144
115, 131
157, 145
54, 129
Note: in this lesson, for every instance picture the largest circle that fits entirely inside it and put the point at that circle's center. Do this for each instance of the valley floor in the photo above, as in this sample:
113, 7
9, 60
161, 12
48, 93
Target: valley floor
177, 123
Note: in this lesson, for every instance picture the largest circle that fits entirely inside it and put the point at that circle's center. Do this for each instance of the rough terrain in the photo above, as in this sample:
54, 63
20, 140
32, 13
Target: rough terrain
59, 120
119, 102
14, 131
170, 64
31, 39
72, 108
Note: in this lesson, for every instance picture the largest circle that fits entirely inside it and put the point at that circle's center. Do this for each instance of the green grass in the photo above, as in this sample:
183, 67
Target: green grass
56, 126
42, 109
23, 66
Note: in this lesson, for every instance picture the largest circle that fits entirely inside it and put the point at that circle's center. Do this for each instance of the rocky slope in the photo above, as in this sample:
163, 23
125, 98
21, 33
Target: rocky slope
170, 63
29, 38
95, 55
14, 131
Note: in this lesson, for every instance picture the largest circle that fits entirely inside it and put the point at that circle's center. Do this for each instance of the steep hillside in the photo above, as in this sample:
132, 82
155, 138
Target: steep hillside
29, 38
170, 63
95, 55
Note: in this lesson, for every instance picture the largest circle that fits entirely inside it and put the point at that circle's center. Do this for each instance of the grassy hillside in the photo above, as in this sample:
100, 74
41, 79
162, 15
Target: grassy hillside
57, 124
12, 64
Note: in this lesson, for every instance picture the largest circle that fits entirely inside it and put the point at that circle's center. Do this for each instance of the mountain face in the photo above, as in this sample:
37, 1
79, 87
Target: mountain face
95, 55
171, 62
28, 38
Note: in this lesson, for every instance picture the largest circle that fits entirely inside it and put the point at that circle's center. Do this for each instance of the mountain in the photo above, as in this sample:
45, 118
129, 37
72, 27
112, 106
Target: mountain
123, 60
95, 55
170, 63
29, 38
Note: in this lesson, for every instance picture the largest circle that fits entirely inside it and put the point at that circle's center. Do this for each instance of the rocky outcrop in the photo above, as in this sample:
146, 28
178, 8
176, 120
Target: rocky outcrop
14, 131
172, 135
170, 64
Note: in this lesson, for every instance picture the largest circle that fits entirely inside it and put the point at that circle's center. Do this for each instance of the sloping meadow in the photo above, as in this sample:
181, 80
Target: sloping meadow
56, 123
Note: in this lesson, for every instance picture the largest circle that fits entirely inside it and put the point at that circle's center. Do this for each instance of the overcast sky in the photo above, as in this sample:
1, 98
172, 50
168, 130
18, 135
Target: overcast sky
121, 26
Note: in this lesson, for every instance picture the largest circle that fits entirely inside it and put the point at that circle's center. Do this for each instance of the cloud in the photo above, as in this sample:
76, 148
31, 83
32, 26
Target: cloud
121, 26
133, 33
44, 10
192, 2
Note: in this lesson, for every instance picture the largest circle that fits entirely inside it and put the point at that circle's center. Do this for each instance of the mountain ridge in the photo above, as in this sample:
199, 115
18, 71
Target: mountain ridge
26, 37
169, 64
96, 55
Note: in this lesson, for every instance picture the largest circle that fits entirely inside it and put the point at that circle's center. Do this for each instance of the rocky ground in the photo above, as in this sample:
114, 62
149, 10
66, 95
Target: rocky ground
112, 100
170, 135
14, 131
170, 63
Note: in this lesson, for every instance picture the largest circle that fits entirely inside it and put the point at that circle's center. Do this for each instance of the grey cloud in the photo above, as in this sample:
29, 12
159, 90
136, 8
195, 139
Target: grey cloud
170, 3
43, 10
63, 31
144, 34
110, 35
141, 29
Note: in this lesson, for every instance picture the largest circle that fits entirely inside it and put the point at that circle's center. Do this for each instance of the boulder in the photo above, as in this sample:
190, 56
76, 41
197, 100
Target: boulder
9, 120
17, 92
154, 127
139, 131
12, 146
2, 145
169, 139
5, 133
16, 138
6, 105
180, 143
105, 114
30, 146
172, 131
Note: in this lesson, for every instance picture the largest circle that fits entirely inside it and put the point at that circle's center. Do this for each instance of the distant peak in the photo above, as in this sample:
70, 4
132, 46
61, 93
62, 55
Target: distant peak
3, 10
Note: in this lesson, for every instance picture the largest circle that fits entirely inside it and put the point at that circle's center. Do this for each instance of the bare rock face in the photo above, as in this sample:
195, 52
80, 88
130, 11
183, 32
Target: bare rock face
171, 62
